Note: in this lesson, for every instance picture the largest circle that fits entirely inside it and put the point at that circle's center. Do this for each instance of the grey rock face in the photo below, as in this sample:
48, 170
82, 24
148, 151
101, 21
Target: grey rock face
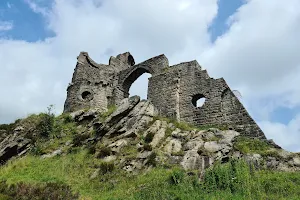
173, 146
14, 145
191, 160
125, 131
133, 138
53, 154
173, 91
296, 161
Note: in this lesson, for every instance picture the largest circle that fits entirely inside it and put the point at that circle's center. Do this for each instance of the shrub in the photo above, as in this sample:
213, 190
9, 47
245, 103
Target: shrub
43, 191
152, 159
177, 176
37, 149
8, 127
67, 118
235, 176
79, 139
103, 152
107, 167
203, 152
149, 137
46, 122
179, 153
63, 126
147, 147
271, 153
251, 145
110, 110
91, 149
169, 131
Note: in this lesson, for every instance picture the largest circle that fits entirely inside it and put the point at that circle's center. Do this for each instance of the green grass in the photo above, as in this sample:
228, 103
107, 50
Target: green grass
63, 129
181, 125
110, 110
250, 145
188, 127
73, 169
253, 145
234, 180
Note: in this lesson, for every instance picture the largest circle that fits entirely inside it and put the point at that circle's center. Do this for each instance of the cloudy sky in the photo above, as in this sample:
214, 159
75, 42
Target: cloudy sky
253, 44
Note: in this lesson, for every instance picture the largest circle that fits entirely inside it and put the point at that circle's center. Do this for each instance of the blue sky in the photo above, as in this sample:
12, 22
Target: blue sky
225, 10
245, 42
28, 25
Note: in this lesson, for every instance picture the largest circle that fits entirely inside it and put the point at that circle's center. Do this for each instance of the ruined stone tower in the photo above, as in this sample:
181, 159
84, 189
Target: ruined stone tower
173, 90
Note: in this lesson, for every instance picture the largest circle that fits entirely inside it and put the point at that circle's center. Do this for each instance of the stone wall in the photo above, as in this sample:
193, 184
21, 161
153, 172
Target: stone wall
173, 90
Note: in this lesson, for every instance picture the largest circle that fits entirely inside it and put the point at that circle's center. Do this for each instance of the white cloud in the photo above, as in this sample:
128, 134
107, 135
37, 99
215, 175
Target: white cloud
35, 75
6, 25
35, 7
287, 136
258, 55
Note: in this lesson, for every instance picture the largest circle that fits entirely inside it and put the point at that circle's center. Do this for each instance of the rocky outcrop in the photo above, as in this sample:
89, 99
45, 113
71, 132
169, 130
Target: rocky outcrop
137, 140
134, 138
14, 145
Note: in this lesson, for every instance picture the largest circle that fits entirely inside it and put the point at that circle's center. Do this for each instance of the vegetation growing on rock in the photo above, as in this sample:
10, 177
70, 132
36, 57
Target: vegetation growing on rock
129, 153
234, 180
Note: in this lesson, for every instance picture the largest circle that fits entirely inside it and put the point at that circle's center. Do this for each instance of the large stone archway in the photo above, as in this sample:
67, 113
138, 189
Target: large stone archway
128, 76
132, 76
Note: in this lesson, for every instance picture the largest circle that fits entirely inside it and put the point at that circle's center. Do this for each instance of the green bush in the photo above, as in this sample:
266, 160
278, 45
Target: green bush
236, 176
78, 139
152, 159
177, 176
45, 125
8, 127
147, 147
46, 121
169, 131
37, 149
91, 149
103, 152
179, 153
24, 191
149, 137
106, 167
67, 118
110, 110
251, 145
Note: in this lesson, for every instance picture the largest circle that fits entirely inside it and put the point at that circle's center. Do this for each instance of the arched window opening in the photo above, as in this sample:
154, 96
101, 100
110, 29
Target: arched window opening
140, 86
198, 100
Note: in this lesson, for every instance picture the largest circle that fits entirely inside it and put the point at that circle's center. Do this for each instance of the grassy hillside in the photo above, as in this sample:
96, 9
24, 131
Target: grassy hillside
234, 180
71, 174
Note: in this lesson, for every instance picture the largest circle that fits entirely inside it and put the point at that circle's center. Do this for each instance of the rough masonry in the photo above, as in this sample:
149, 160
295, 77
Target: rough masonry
173, 90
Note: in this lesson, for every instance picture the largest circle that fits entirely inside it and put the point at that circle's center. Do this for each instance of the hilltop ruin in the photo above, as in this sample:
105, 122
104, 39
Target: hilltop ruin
173, 90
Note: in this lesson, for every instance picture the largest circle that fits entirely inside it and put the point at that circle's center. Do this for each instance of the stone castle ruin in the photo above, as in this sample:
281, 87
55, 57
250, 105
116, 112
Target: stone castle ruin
173, 90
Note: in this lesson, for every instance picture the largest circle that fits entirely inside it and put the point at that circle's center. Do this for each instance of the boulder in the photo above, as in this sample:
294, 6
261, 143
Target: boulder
159, 135
212, 146
53, 154
173, 146
191, 161
13, 145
